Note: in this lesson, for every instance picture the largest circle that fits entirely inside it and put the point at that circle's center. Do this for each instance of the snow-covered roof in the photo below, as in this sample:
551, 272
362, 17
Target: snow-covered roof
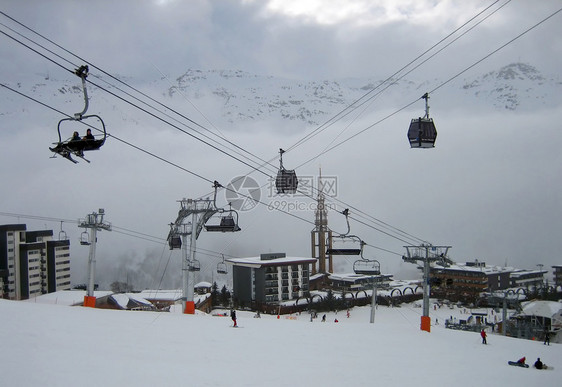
67, 297
203, 284
258, 262
352, 277
546, 309
480, 269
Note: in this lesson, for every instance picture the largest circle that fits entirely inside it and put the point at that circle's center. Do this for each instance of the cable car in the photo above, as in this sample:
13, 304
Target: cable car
286, 181
367, 266
76, 145
85, 239
228, 222
193, 265
221, 267
174, 242
346, 244
422, 132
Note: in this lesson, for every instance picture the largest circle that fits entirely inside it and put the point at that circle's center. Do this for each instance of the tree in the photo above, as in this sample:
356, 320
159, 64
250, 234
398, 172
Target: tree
214, 294
225, 296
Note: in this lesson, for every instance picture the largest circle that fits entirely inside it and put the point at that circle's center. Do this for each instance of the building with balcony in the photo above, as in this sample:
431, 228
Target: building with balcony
466, 282
270, 278
32, 263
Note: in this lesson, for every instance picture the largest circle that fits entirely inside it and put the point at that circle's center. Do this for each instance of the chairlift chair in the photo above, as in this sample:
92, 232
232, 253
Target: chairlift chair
77, 146
193, 265
346, 244
85, 239
286, 181
228, 223
221, 267
62, 234
367, 267
422, 132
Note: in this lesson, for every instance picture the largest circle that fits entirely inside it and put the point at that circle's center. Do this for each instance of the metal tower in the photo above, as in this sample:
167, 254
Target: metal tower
192, 217
94, 222
426, 254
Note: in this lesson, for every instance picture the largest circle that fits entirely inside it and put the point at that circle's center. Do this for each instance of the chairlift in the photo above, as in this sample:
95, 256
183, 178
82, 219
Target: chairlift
85, 239
367, 266
422, 132
193, 265
76, 145
62, 234
286, 181
221, 267
228, 222
345, 244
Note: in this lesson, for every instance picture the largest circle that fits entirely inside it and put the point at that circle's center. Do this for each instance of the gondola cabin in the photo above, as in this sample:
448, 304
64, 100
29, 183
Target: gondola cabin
422, 133
174, 242
286, 181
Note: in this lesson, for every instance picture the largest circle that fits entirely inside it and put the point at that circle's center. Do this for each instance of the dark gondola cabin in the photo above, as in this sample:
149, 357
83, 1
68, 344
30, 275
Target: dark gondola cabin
422, 132
286, 181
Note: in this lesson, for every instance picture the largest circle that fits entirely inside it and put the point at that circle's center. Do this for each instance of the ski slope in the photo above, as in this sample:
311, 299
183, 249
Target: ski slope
58, 345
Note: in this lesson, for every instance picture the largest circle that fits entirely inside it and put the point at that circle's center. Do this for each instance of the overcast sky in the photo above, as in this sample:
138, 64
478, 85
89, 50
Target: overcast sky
491, 203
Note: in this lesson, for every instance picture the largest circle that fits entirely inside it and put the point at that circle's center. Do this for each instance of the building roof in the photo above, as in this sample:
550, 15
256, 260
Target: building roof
477, 269
257, 262
546, 309
352, 277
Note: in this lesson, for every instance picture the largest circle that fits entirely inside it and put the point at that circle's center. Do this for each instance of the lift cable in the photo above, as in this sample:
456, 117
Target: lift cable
354, 105
433, 90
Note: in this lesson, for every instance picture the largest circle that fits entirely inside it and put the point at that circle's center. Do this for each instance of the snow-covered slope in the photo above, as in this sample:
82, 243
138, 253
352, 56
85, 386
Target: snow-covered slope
55, 345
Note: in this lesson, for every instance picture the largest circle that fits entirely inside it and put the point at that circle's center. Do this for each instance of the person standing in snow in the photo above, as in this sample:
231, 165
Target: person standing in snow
483, 334
546, 337
233, 317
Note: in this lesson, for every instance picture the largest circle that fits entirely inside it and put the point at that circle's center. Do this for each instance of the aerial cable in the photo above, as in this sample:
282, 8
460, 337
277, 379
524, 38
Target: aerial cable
496, 50
125, 101
120, 81
435, 89
341, 114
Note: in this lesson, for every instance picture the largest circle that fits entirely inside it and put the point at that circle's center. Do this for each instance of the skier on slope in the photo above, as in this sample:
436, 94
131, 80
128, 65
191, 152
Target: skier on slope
233, 317
483, 335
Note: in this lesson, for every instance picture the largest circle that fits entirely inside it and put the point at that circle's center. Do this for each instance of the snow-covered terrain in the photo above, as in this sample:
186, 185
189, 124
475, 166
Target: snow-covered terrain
57, 345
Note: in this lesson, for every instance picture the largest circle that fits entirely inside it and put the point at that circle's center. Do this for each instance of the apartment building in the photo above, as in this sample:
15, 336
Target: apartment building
32, 262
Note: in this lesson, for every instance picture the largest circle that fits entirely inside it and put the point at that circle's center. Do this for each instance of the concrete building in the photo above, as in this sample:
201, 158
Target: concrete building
270, 278
32, 263
557, 275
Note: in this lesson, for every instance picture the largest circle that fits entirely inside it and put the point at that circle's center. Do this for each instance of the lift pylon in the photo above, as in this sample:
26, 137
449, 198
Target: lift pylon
426, 253
94, 222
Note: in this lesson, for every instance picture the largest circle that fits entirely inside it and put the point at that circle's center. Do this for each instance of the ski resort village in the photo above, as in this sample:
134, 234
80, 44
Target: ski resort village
277, 193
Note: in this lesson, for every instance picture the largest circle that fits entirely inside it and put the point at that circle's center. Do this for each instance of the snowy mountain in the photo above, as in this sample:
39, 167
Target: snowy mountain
236, 96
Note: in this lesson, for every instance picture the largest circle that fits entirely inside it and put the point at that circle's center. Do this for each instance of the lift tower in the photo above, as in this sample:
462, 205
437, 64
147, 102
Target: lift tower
94, 222
192, 217
426, 253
